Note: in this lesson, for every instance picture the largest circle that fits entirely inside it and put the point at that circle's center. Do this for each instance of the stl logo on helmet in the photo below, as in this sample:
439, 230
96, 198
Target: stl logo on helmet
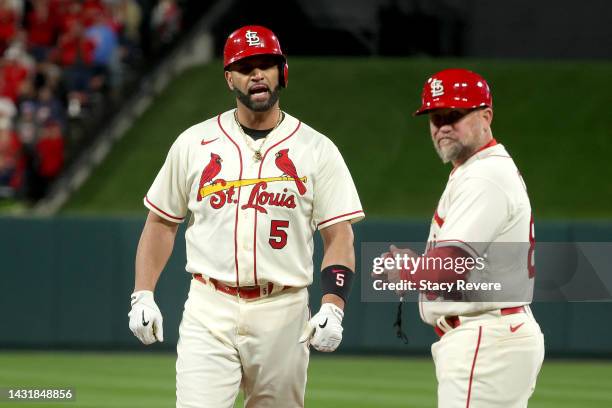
437, 89
253, 39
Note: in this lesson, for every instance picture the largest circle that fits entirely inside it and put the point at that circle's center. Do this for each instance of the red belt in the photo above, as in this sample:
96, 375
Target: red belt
453, 321
244, 292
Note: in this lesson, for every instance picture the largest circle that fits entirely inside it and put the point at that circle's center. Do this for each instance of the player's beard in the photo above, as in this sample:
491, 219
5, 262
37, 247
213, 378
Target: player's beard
262, 106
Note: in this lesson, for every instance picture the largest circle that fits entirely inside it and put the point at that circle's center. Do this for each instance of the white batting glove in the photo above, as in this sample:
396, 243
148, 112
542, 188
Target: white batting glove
146, 320
324, 330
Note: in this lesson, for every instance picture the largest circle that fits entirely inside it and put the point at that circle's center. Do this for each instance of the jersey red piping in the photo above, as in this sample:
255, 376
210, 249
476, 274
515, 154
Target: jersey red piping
469, 395
237, 206
339, 216
162, 211
256, 198
491, 143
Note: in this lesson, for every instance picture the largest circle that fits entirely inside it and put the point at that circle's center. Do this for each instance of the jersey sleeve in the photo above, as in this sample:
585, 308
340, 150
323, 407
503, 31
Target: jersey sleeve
168, 195
335, 195
478, 211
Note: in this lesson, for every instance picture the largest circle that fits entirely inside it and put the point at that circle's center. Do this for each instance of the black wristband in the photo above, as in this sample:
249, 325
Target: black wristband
337, 280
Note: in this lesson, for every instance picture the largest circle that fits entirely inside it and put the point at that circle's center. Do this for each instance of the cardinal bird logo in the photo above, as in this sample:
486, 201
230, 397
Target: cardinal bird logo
284, 163
210, 171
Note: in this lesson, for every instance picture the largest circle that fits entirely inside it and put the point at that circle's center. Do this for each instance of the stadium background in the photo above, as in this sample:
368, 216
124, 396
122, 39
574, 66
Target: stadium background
356, 73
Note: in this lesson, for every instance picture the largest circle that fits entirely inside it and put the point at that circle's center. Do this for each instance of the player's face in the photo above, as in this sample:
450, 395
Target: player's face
458, 133
255, 82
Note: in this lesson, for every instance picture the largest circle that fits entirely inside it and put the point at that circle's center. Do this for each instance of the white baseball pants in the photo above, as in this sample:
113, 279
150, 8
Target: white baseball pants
489, 361
226, 342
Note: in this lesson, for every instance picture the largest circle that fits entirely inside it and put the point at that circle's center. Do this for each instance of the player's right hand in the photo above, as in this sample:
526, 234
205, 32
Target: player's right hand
324, 330
146, 320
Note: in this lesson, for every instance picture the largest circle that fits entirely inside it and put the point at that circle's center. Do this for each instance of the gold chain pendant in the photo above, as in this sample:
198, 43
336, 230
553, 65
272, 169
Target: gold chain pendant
257, 156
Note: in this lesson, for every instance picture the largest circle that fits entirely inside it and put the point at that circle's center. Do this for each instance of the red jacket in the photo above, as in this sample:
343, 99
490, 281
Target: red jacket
69, 47
13, 75
8, 24
51, 155
41, 30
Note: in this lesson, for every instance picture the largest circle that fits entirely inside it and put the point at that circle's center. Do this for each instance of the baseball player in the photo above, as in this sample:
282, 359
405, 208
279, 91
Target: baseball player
491, 348
258, 183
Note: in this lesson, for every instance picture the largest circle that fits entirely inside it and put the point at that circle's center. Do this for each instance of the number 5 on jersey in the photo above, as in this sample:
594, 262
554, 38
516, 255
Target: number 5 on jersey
278, 236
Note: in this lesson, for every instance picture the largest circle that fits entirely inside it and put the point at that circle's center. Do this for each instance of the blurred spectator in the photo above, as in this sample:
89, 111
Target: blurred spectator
68, 13
27, 128
48, 74
126, 19
7, 111
49, 107
91, 10
27, 131
18, 51
105, 58
127, 16
40, 25
101, 33
166, 21
75, 54
12, 74
49, 159
11, 164
27, 93
73, 48
9, 19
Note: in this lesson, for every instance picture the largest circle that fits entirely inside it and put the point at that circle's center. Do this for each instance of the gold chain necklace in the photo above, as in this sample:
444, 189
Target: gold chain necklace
257, 156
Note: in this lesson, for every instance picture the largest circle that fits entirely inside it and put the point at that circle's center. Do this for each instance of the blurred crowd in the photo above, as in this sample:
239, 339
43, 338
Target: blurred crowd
62, 63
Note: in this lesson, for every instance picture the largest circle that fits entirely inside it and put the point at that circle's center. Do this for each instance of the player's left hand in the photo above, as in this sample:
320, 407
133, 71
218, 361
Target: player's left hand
324, 330
146, 320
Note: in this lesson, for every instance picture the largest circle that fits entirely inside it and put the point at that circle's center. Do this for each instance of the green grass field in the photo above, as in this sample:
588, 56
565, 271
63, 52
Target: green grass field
550, 115
109, 380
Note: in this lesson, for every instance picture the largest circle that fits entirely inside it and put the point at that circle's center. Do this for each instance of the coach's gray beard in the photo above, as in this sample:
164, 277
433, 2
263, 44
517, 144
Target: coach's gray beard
258, 106
453, 152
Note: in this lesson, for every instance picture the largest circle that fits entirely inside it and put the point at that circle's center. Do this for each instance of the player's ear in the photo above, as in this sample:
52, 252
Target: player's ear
229, 80
487, 114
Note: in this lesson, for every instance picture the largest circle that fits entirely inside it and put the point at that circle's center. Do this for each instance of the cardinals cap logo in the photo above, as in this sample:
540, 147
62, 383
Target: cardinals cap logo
253, 39
437, 89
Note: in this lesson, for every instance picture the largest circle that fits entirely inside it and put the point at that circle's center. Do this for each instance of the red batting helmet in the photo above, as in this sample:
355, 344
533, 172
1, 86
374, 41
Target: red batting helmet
254, 40
455, 88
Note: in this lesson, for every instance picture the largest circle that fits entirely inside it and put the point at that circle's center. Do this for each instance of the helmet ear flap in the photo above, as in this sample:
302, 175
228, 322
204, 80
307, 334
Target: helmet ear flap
284, 71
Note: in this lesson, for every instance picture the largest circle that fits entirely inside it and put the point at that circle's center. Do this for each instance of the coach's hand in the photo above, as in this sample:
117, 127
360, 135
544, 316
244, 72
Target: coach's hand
146, 321
393, 274
324, 330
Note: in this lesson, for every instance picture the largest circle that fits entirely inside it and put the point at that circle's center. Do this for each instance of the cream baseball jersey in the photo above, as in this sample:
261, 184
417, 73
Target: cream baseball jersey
485, 210
253, 219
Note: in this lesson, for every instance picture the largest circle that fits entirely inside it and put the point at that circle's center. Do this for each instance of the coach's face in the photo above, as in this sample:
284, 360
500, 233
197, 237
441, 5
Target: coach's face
459, 133
255, 81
